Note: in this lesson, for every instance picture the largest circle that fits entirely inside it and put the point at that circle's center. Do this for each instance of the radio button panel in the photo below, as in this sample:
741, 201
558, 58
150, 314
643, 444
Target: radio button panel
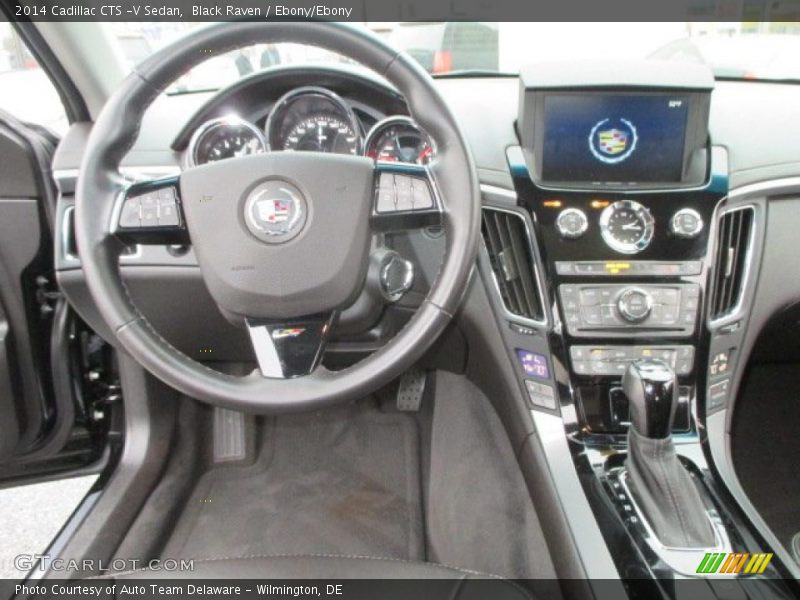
592, 310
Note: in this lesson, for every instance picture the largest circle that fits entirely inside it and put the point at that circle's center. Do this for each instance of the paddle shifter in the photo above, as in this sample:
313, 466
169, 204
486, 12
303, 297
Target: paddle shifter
661, 485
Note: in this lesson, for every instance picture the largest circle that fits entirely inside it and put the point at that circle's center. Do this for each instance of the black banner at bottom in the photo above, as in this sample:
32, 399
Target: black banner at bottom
137, 586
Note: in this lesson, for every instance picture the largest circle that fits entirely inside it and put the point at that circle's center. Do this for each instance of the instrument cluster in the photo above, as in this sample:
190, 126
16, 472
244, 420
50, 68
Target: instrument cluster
310, 119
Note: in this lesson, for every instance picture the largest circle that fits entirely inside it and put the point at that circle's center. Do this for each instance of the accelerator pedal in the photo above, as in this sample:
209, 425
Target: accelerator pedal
411, 390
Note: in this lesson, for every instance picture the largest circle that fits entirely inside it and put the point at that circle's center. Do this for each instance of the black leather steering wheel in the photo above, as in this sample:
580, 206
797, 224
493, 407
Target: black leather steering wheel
282, 239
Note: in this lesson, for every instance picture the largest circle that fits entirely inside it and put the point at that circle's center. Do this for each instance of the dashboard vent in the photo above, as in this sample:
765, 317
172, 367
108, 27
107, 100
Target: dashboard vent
733, 253
511, 255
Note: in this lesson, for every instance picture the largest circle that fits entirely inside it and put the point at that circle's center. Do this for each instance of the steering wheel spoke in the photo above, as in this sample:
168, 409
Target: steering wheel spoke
405, 198
150, 212
290, 348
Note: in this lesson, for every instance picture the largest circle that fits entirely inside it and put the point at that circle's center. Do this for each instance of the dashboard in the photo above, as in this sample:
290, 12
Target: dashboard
629, 261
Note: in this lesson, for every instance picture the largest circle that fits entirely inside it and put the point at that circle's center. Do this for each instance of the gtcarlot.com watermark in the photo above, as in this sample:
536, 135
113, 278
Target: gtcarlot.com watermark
45, 562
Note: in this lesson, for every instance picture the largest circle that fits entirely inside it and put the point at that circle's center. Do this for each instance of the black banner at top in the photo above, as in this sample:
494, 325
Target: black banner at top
405, 10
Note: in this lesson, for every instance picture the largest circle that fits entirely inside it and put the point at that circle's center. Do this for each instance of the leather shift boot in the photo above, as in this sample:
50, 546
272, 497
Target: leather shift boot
666, 493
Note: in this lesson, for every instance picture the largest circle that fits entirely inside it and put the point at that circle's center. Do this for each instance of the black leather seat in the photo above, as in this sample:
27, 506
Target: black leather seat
419, 579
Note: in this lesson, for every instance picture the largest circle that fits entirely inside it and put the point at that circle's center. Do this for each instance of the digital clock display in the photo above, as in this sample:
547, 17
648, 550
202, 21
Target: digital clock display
533, 364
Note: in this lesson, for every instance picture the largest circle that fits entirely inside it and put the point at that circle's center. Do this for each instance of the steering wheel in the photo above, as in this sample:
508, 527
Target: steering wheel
282, 238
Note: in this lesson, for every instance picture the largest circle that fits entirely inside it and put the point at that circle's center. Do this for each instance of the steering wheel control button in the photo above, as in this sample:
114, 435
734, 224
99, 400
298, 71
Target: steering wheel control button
130, 215
402, 186
275, 211
634, 305
168, 215
151, 210
422, 198
403, 193
167, 208
686, 223
572, 223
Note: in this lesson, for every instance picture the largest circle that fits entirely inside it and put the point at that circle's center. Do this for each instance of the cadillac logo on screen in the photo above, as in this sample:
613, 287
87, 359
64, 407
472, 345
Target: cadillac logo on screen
613, 140
275, 211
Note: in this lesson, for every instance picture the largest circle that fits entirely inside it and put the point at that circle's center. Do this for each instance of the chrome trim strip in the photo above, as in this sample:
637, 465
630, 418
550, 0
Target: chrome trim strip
586, 535
498, 191
536, 274
67, 235
736, 313
775, 186
266, 354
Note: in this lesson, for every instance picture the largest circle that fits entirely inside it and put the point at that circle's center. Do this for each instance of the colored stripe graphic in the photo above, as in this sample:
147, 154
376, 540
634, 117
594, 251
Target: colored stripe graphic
733, 563
701, 568
717, 562
730, 561
740, 562
767, 558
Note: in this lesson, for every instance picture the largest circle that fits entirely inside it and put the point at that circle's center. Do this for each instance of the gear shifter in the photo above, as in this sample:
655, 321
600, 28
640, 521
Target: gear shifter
661, 485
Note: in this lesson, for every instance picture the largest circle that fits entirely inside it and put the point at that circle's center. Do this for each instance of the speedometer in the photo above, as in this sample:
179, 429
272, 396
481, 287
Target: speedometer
313, 119
226, 137
322, 133
398, 139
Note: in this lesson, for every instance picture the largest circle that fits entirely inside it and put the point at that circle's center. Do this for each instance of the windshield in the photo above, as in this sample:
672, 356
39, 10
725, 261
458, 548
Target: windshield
758, 51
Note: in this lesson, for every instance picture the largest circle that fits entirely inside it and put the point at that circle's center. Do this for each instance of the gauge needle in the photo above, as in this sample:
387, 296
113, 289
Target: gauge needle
320, 133
631, 226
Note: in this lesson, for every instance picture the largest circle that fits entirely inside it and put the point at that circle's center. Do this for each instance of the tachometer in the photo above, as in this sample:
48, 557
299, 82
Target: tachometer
313, 119
398, 139
322, 133
226, 137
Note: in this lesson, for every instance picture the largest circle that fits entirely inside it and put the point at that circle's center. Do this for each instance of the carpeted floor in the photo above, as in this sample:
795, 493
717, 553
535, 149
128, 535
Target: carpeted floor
342, 481
766, 447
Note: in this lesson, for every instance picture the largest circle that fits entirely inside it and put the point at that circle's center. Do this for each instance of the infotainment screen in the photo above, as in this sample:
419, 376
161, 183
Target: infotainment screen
614, 138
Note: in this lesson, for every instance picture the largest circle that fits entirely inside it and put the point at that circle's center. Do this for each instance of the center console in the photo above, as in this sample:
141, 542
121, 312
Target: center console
618, 188
623, 185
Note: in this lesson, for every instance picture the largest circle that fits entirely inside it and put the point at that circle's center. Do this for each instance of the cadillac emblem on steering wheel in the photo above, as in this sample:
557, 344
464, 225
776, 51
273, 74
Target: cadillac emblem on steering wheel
275, 211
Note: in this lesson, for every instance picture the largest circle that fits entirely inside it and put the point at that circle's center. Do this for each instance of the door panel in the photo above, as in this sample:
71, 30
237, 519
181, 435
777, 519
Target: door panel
45, 428
23, 249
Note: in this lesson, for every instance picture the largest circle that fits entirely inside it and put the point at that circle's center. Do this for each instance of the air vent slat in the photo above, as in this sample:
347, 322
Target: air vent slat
732, 253
511, 256
732, 260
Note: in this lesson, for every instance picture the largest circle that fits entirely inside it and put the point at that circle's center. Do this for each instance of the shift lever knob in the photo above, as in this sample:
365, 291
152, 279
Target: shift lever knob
651, 389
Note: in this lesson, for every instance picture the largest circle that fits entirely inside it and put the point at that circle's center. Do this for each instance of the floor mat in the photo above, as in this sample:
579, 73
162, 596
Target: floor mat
342, 481
766, 448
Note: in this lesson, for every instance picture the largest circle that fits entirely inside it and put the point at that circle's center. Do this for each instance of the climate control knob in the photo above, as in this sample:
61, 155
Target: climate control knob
634, 305
686, 223
572, 223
